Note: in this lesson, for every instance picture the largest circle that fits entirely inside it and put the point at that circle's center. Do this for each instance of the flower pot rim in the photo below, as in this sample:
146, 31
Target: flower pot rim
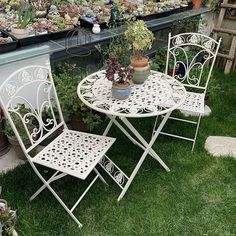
124, 85
139, 59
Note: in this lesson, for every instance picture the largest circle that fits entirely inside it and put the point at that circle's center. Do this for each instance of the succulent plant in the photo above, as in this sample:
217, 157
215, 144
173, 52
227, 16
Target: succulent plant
116, 73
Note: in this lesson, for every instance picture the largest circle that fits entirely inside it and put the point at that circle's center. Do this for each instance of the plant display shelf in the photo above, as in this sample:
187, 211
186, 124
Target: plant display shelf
58, 48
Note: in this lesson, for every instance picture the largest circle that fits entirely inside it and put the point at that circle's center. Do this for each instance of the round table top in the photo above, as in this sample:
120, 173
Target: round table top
158, 95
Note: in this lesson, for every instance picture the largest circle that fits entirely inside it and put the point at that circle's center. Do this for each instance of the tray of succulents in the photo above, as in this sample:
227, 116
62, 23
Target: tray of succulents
7, 43
162, 10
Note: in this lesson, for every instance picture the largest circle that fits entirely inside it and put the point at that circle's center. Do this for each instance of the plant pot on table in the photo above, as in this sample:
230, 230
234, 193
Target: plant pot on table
141, 69
121, 91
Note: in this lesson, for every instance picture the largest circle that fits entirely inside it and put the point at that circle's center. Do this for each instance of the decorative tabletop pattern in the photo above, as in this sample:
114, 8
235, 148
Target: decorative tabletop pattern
158, 95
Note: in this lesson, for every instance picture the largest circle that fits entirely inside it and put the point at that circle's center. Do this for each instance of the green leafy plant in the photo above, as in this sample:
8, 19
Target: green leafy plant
118, 47
66, 84
25, 14
7, 218
214, 5
18, 123
140, 37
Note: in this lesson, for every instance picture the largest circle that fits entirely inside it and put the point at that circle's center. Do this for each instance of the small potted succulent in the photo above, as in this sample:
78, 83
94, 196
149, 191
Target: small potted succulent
7, 219
25, 15
141, 39
120, 78
71, 10
41, 27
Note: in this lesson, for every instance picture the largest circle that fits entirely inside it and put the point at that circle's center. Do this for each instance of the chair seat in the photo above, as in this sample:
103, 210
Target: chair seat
194, 102
75, 153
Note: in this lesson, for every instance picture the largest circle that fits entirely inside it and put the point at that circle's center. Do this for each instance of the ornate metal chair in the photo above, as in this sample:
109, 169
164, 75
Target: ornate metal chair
190, 59
29, 101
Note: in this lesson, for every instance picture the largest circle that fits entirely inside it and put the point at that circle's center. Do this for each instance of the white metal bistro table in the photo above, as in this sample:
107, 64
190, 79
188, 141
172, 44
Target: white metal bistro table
159, 95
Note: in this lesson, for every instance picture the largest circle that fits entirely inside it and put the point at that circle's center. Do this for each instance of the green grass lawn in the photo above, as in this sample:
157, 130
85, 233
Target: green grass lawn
198, 196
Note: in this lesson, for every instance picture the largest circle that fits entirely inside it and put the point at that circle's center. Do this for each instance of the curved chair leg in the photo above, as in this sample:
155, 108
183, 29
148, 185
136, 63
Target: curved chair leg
195, 136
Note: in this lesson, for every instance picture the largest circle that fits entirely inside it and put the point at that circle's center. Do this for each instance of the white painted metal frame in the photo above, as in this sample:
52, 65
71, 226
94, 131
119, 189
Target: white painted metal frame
196, 74
70, 153
160, 95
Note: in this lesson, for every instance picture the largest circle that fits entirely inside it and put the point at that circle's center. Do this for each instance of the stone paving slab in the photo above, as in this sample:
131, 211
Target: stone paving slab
9, 161
221, 146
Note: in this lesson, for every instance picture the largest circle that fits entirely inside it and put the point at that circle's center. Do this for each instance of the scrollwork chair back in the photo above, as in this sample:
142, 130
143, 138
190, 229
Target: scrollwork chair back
190, 58
25, 96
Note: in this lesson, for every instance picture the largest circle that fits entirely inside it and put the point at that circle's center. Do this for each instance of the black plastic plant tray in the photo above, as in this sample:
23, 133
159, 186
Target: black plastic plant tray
62, 33
103, 25
88, 24
7, 47
31, 39
165, 13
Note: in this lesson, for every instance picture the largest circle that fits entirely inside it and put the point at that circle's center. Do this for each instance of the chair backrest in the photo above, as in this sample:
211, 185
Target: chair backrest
29, 101
190, 58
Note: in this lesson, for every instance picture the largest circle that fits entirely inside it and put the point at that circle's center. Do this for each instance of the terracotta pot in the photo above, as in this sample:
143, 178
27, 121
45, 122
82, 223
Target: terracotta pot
121, 91
139, 62
197, 4
141, 69
19, 33
144, 68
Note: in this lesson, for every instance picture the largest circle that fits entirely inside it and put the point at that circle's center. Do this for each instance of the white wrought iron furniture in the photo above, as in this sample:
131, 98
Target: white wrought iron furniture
190, 60
160, 94
71, 152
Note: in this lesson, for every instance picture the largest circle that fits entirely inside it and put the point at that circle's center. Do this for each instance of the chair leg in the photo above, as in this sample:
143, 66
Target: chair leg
61, 202
195, 136
42, 187
100, 176
56, 177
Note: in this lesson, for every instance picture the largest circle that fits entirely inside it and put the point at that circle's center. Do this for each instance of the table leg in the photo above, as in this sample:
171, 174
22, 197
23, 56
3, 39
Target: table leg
147, 150
113, 170
112, 118
155, 135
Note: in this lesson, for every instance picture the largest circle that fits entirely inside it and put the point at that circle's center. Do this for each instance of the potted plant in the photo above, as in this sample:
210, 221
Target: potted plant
3, 139
141, 39
21, 130
120, 78
75, 111
25, 14
7, 219
197, 4
41, 27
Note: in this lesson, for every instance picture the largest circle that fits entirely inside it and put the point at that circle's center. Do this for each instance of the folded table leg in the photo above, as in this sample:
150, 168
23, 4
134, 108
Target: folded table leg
120, 177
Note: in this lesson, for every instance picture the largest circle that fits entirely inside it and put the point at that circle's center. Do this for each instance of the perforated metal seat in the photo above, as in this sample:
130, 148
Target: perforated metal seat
194, 102
75, 153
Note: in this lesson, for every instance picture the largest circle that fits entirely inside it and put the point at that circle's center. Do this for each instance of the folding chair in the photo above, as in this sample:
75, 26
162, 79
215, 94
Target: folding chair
24, 96
190, 60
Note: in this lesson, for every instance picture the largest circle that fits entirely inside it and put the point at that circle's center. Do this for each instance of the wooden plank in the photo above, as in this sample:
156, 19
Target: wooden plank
232, 50
221, 15
227, 5
227, 31
230, 17
225, 56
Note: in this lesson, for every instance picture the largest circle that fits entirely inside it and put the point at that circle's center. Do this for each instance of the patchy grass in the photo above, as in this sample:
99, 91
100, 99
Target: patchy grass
198, 196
